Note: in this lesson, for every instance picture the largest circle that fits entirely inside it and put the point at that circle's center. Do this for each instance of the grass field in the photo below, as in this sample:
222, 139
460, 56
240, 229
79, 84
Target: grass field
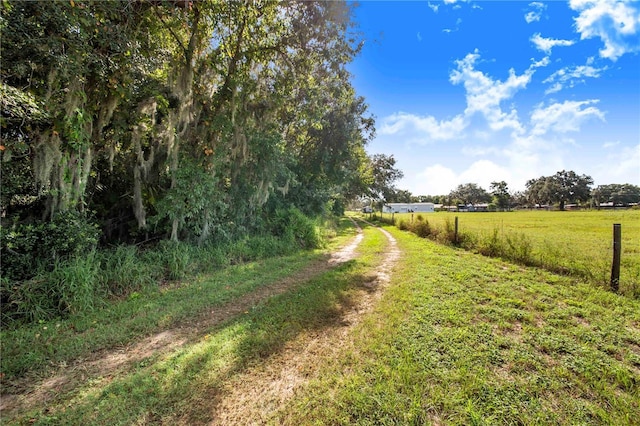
457, 338
575, 242
462, 339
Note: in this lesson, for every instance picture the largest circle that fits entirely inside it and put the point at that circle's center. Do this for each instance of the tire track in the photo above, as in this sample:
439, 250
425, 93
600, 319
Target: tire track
253, 396
112, 362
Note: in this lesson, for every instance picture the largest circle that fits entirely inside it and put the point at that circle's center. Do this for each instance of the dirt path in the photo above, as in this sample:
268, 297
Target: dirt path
34, 393
252, 397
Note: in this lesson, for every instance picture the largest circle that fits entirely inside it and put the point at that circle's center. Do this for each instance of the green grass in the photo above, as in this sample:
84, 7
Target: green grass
39, 347
577, 243
464, 339
457, 338
175, 387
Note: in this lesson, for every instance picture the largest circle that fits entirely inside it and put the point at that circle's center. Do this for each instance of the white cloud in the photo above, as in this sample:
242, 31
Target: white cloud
563, 117
483, 172
541, 63
419, 37
427, 128
570, 76
433, 7
546, 44
628, 164
441, 180
531, 156
615, 22
536, 13
608, 145
480, 151
485, 95
620, 166
435, 180
513, 151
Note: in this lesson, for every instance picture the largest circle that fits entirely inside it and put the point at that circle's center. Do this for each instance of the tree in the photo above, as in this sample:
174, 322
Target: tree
571, 187
133, 102
384, 176
501, 195
538, 191
561, 188
470, 193
519, 198
616, 194
401, 196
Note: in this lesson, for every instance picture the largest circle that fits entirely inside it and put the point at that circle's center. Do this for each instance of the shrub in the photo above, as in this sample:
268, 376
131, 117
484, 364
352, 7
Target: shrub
421, 228
28, 248
175, 257
519, 248
296, 228
72, 286
491, 245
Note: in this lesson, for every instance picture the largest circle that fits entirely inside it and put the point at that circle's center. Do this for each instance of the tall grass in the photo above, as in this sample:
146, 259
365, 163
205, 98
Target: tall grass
83, 282
572, 243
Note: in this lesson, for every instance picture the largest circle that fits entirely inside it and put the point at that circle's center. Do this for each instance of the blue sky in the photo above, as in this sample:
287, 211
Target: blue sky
482, 91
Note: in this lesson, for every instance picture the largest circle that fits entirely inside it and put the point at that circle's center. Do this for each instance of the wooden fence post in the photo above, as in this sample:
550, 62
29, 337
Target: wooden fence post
455, 233
617, 250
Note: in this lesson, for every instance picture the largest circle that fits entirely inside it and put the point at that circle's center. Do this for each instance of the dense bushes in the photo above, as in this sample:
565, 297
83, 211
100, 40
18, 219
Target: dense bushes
53, 269
32, 247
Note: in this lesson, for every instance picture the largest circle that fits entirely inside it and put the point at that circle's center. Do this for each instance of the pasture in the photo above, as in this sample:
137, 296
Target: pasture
573, 242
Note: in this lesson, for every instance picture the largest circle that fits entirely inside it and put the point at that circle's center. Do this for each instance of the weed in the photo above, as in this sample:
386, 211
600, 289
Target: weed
573, 243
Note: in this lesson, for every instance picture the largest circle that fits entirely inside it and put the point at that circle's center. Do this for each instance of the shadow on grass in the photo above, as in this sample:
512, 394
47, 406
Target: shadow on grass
186, 385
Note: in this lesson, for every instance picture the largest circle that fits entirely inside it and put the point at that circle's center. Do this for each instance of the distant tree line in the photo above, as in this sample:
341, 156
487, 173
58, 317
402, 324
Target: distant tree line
560, 189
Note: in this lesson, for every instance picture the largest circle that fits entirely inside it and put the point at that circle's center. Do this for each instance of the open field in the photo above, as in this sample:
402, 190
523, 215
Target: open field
575, 242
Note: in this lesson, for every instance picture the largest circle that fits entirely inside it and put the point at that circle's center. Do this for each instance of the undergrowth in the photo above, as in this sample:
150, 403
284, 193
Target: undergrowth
80, 277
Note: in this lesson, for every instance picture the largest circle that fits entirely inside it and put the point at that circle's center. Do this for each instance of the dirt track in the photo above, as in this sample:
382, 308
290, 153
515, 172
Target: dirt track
252, 395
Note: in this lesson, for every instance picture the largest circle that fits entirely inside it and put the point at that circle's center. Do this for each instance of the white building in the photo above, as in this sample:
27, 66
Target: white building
408, 208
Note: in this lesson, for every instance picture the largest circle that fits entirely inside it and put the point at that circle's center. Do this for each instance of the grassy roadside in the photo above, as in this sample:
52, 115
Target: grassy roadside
463, 339
40, 348
180, 388
577, 243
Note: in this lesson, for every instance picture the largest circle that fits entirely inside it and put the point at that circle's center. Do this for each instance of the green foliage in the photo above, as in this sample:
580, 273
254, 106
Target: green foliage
501, 196
470, 193
72, 287
124, 269
194, 197
200, 115
83, 278
28, 248
295, 228
616, 194
563, 187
